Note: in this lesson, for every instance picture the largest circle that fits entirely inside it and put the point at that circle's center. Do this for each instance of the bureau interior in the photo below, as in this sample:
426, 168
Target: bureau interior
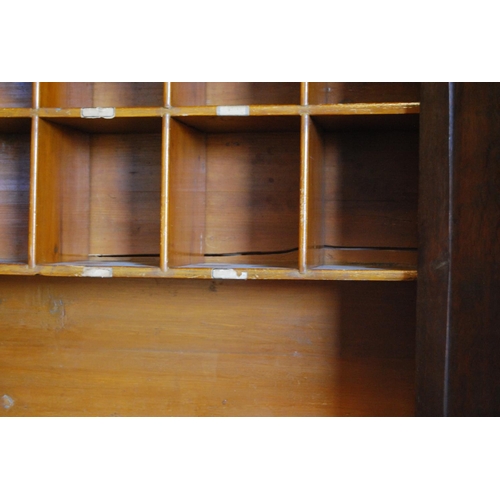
361, 92
16, 94
234, 185
99, 190
136, 347
15, 142
363, 190
234, 93
101, 94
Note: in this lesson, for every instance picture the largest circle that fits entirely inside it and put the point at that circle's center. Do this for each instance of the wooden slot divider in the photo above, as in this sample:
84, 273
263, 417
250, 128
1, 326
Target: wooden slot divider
164, 193
309, 256
304, 93
32, 240
304, 192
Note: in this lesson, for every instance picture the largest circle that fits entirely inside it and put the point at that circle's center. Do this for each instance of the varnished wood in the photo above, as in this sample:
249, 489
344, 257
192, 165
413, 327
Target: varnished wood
336, 93
459, 291
251, 194
370, 188
234, 93
97, 194
14, 192
325, 325
77, 95
16, 95
187, 195
196, 348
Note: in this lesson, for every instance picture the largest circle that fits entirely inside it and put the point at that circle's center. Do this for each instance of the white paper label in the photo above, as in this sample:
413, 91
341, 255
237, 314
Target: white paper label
233, 110
98, 272
106, 113
228, 274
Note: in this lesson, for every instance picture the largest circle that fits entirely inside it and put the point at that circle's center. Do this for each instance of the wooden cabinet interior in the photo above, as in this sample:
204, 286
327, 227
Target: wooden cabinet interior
312, 197
234, 191
234, 93
101, 94
99, 191
15, 141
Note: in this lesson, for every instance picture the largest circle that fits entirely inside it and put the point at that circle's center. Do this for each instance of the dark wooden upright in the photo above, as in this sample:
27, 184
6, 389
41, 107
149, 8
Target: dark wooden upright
458, 333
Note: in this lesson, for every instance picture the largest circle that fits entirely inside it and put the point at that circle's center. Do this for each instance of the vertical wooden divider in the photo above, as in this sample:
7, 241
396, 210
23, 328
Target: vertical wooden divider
32, 240
33, 178
304, 191
164, 191
167, 94
316, 202
304, 90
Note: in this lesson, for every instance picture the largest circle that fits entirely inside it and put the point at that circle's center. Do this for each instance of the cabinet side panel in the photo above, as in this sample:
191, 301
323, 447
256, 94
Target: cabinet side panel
62, 213
187, 192
316, 217
474, 386
434, 257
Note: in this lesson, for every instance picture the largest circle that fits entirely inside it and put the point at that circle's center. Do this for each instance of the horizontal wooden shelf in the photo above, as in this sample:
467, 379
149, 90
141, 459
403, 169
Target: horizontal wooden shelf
278, 179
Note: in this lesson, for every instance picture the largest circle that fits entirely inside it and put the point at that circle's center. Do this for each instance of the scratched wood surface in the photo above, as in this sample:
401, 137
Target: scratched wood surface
189, 347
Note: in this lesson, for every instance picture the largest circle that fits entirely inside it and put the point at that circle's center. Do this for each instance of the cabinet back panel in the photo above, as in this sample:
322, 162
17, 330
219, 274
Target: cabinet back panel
343, 93
252, 193
370, 188
14, 196
16, 95
84, 94
234, 93
125, 193
188, 347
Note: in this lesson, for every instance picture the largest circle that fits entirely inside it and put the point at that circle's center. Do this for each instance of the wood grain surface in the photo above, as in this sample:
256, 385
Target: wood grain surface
168, 347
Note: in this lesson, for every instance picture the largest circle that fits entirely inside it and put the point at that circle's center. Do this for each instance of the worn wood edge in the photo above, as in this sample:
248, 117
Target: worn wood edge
254, 110
206, 273
17, 112
119, 112
33, 193
164, 192
383, 108
304, 192
17, 269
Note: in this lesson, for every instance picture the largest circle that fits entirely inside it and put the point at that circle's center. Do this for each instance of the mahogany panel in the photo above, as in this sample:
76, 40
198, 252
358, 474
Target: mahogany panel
459, 276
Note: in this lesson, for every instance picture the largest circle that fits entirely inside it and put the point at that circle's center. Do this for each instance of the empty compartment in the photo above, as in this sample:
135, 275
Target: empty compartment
15, 142
363, 191
101, 94
234, 93
356, 92
99, 191
234, 187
